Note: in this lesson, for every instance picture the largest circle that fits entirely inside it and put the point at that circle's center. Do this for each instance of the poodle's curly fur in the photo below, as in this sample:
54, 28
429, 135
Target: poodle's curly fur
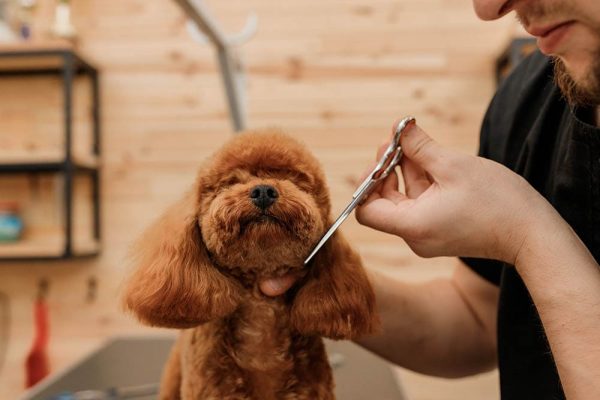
198, 269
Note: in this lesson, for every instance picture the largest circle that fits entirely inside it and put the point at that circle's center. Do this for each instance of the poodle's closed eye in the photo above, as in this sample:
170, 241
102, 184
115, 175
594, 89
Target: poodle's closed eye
258, 207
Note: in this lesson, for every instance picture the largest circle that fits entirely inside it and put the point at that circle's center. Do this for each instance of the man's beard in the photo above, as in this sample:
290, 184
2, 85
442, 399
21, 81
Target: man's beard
583, 94
586, 90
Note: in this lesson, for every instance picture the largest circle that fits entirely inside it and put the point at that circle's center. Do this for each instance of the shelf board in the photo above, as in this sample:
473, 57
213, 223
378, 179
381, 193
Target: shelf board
38, 57
43, 161
86, 248
36, 45
31, 249
45, 249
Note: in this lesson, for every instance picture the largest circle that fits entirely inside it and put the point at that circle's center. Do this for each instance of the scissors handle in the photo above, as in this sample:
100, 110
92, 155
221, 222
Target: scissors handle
390, 159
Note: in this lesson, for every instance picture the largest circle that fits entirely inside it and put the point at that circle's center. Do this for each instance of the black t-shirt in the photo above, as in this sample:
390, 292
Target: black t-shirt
532, 130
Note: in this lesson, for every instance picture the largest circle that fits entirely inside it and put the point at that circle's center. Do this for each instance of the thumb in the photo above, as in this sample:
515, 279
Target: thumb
420, 148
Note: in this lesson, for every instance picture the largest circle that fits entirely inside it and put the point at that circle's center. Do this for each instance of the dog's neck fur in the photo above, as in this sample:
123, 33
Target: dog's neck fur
248, 277
259, 332
270, 356
259, 339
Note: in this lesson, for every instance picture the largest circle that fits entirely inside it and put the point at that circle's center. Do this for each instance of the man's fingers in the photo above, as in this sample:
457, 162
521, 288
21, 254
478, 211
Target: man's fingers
382, 214
389, 188
277, 286
420, 148
390, 183
416, 180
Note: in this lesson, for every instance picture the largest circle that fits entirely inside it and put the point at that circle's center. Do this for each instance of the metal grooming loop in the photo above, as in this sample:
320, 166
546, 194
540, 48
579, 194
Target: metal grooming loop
229, 61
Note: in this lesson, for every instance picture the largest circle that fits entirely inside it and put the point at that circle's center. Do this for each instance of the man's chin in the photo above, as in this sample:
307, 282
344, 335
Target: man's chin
583, 91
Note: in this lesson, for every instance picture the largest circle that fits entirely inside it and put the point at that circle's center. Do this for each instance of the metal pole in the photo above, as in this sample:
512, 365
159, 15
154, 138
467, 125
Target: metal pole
96, 151
230, 68
68, 76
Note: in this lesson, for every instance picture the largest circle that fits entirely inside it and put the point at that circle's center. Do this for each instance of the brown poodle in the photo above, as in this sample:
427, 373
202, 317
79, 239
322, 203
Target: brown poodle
256, 211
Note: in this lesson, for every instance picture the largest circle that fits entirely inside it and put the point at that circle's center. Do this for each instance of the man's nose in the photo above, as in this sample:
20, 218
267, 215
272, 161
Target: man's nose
489, 10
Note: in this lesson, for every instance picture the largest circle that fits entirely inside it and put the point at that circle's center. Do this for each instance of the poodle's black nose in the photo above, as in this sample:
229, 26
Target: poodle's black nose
263, 196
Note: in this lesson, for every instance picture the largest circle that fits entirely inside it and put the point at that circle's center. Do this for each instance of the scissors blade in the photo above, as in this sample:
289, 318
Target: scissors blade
347, 211
384, 167
357, 198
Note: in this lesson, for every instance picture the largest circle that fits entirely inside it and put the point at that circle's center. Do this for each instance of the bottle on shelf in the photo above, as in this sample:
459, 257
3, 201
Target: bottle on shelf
11, 224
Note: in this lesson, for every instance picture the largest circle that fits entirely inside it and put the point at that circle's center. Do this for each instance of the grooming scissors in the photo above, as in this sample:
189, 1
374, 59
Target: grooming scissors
384, 167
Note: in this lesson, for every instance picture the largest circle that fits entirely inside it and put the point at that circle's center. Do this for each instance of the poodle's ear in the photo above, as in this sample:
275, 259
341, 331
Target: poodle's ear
174, 284
337, 300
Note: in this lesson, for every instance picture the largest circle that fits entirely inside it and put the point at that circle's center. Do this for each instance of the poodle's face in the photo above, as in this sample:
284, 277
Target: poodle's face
257, 209
263, 204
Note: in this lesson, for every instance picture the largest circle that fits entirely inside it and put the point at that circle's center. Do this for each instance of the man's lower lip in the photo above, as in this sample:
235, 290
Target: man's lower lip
548, 44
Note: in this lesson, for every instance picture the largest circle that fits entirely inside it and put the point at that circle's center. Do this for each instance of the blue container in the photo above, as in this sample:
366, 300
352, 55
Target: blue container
11, 224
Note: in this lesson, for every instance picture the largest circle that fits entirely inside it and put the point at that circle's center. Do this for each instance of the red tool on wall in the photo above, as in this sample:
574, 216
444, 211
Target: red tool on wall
37, 366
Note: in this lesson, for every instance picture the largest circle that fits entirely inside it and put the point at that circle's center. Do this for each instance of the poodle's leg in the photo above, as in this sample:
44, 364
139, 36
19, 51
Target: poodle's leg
170, 384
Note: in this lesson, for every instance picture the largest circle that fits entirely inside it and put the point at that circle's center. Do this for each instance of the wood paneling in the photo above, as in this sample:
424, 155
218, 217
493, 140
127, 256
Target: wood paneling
335, 74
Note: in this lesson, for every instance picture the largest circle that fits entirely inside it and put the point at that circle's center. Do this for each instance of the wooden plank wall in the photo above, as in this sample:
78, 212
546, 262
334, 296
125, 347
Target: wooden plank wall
335, 74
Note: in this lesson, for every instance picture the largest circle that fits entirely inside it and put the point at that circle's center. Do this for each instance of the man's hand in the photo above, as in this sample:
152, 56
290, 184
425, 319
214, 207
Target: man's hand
455, 204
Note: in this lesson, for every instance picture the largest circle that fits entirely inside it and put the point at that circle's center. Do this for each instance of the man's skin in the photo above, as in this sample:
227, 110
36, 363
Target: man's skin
460, 205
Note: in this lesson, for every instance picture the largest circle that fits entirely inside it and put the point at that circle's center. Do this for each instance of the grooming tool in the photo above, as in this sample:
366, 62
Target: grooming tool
384, 167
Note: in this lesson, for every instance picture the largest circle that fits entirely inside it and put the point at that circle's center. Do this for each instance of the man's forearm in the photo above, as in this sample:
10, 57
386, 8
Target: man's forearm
431, 329
564, 281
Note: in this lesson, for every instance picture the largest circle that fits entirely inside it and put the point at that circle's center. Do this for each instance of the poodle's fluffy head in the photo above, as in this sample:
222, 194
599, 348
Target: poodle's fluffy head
258, 207
262, 204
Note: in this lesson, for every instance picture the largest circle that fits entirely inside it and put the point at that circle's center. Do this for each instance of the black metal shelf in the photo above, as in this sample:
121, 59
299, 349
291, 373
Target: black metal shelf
44, 167
67, 64
77, 64
47, 254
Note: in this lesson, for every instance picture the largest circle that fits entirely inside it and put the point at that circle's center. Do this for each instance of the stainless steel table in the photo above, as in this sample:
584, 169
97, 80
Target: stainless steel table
136, 363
